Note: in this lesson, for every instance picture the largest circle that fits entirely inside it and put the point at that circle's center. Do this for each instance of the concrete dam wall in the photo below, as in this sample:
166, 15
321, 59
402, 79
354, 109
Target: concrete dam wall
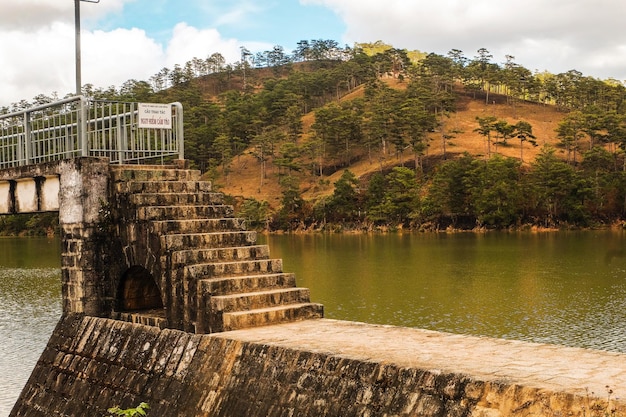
168, 300
312, 368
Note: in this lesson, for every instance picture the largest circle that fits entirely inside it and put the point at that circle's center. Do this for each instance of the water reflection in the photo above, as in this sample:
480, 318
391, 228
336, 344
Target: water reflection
562, 288
30, 306
544, 287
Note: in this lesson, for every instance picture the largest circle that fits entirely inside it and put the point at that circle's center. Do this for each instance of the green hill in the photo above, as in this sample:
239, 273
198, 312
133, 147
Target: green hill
376, 137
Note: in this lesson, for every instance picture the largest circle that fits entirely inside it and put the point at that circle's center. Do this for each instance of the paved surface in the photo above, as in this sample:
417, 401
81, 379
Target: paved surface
556, 368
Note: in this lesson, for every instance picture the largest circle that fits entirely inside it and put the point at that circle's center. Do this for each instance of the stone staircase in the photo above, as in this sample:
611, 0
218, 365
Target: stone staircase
213, 275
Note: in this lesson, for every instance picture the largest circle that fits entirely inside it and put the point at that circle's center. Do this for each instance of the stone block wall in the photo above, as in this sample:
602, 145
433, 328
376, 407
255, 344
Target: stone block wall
82, 196
81, 185
91, 364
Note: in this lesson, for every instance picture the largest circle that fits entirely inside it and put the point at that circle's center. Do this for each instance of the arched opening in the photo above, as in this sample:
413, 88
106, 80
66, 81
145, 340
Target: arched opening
138, 291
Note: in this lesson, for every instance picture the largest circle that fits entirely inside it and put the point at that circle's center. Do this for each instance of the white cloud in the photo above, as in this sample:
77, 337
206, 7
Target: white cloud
37, 47
240, 14
39, 62
557, 36
37, 36
110, 58
43, 61
43, 56
188, 42
229, 12
33, 14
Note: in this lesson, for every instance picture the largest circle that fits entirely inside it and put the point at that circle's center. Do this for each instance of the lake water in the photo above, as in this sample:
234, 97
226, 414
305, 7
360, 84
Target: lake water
30, 306
565, 288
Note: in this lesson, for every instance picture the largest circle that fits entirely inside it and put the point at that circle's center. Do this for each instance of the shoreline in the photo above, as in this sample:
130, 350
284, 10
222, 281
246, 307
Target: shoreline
339, 229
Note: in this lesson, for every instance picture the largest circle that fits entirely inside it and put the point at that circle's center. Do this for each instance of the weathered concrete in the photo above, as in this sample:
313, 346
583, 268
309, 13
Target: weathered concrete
314, 368
156, 232
30, 194
84, 190
209, 271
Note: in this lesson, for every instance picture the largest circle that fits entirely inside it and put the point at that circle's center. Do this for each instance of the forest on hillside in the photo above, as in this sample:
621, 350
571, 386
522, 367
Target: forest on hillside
299, 113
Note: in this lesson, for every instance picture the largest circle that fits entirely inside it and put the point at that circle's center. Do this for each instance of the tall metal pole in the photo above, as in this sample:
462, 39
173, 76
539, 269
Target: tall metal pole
81, 125
79, 85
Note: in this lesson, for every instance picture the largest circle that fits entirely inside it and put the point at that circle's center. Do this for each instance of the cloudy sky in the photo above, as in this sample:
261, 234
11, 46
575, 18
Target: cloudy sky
134, 39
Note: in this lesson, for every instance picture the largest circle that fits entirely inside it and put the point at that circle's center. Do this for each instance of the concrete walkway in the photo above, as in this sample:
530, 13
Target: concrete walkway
556, 368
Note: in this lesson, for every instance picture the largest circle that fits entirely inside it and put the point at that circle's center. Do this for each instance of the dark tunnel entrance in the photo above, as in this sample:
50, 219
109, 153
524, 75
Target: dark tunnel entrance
138, 291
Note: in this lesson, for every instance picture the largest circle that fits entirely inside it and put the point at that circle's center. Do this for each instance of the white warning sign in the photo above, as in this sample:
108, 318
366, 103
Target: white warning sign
155, 116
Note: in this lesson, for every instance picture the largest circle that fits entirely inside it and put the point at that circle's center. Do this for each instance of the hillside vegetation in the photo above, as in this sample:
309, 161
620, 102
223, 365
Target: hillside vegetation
332, 138
244, 173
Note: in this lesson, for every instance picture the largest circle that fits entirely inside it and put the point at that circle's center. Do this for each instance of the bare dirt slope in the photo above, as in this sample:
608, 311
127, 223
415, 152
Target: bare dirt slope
244, 179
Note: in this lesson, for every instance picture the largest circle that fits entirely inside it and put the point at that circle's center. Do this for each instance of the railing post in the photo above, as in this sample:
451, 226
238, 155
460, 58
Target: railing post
25, 147
78, 131
120, 139
82, 127
180, 131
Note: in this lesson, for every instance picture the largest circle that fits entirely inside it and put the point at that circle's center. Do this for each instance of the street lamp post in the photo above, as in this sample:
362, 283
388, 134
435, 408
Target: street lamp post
80, 124
77, 27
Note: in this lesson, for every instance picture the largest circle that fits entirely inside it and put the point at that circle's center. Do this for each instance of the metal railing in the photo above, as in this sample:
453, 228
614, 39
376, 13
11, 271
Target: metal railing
78, 126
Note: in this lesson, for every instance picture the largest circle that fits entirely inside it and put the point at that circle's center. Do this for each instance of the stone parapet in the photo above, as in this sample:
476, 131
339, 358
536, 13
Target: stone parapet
313, 368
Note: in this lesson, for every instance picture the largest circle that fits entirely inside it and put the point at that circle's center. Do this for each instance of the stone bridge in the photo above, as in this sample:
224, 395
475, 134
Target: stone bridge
154, 245
168, 300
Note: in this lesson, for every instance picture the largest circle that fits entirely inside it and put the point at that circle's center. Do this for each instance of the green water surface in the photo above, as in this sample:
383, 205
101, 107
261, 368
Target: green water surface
30, 306
565, 288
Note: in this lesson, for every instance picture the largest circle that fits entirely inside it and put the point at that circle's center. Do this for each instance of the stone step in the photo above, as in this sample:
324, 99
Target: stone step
192, 226
244, 284
208, 240
221, 279
258, 300
241, 253
153, 187
273, 315
154, 318
231, 269
152, 173
184, 212
173, 199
